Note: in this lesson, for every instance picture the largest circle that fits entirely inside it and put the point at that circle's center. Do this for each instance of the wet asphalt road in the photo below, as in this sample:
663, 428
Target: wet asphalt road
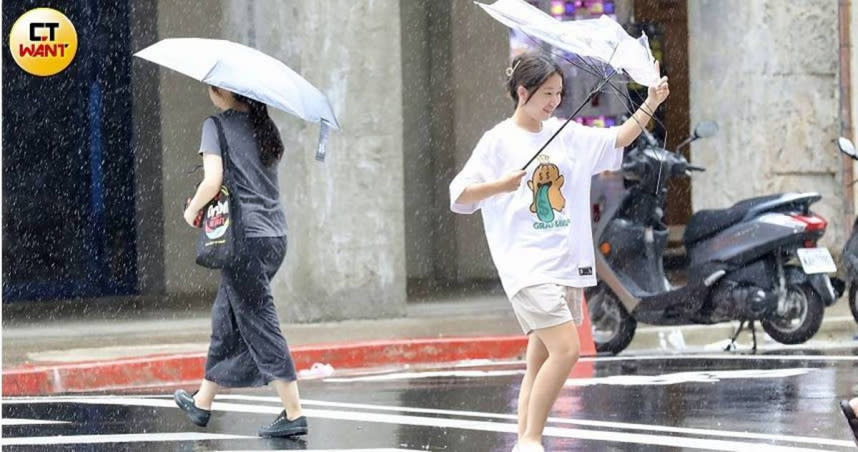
778, 401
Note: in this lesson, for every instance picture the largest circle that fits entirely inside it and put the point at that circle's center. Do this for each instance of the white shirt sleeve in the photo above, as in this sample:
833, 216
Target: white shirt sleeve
599, 145
478, 169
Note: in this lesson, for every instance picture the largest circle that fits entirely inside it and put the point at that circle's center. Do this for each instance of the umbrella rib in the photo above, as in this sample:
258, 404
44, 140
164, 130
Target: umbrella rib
590, 69
646, 111
595, 69
211, 69
619, 95
652, 116
613, 53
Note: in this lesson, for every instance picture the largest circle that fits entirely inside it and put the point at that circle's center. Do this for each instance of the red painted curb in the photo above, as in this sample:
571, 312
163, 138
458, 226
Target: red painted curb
175, 369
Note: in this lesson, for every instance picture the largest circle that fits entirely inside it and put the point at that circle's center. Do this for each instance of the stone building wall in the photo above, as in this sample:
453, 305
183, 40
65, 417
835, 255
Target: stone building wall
346, 255
767, 72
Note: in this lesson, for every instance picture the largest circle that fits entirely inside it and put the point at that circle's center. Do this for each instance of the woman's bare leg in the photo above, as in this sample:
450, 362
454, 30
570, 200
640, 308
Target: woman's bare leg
206, 394
288, 392
535, 356
563, 347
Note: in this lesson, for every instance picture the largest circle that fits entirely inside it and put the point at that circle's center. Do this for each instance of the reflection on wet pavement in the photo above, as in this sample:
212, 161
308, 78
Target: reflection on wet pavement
783, 402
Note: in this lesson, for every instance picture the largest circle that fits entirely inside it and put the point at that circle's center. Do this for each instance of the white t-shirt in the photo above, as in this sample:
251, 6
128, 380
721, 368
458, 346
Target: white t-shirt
540, 233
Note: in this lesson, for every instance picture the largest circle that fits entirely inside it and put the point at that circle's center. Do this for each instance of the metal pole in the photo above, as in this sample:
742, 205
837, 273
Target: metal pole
846, 129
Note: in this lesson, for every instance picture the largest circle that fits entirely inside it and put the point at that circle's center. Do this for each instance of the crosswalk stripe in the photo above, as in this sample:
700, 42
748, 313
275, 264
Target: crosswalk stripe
557, 420
11, 421
343, 450
487, 426
118, 438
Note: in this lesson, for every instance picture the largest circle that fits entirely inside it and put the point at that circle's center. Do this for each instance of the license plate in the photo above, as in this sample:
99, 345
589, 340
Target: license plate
816, 260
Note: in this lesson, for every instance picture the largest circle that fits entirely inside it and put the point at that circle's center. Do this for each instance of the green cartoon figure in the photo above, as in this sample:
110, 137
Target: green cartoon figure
547, 197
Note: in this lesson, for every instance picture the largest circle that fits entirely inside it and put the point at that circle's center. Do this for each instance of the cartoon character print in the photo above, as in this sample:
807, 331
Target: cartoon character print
547, 197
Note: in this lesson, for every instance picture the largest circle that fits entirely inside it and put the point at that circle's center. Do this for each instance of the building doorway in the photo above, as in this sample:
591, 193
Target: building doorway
68, 163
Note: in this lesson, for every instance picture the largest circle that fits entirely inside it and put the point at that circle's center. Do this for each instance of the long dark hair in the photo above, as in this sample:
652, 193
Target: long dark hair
264, 131
531, 70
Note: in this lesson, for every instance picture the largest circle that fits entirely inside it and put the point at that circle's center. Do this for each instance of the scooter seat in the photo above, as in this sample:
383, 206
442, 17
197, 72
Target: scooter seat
705, 223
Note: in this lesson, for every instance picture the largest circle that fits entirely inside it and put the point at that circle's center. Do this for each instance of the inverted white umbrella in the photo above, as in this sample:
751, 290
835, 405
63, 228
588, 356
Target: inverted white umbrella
603, 38
248, 72
597, 42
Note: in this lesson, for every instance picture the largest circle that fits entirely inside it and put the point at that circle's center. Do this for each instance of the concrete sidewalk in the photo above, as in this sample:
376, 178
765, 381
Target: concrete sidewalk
120, 350
92, 337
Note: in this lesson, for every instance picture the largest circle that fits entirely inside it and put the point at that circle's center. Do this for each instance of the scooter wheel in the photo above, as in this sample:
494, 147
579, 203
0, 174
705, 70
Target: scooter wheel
613, 327
802, 319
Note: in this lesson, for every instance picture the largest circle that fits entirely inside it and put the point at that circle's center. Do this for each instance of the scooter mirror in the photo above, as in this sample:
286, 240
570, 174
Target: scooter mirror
705, 129
847, 147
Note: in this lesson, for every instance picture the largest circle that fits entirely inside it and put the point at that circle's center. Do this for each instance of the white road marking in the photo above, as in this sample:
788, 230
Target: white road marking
427, 374
501, 427
584, 422
12, 421
725, 357
688, 377
620, 380
120, 438
678, 357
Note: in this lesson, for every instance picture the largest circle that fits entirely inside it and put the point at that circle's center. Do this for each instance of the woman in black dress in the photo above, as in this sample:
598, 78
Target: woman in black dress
247, 346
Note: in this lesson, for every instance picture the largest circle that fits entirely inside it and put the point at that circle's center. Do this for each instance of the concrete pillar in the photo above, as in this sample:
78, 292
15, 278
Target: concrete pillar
453, 60
853, 51
420, 149
149, 210
184, 104
766, 71
346, 255
479, 56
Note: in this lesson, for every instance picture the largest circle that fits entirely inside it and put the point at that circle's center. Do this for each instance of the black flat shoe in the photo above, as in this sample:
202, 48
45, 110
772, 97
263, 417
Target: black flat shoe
283, 427
185, 402
851, 419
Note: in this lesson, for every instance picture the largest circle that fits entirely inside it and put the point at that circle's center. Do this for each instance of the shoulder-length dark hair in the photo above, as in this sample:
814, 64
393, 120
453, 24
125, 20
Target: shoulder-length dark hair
264, 131
531, 70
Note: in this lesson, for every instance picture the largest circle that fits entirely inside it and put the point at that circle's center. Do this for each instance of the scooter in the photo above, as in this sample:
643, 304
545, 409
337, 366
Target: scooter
754, 261
850, 250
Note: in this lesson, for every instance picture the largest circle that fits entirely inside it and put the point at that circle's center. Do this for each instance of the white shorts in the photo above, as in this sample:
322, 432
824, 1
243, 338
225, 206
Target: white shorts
547, 305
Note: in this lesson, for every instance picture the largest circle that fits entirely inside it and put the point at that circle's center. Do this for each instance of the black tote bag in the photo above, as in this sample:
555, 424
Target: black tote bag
218, 242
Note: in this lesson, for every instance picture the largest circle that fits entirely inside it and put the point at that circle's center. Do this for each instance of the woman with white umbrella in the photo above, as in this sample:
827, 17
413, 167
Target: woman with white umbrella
247, 347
